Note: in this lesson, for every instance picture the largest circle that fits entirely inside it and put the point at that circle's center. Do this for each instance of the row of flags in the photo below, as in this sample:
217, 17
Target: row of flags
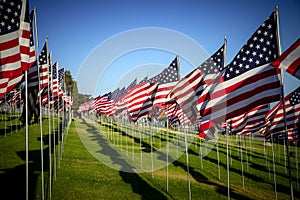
18, 59
214, 95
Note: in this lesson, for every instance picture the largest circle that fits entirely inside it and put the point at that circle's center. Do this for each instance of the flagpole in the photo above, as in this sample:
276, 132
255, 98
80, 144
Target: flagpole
49, 123
283, 107
167, 157
54, 137
40, 105
227, 132
26, 128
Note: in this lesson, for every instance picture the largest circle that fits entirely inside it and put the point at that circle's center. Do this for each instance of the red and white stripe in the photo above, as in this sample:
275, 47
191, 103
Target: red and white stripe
240, 94
290, 60
249, 122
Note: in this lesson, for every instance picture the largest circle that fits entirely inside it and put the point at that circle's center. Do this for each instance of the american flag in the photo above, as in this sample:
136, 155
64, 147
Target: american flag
68, 102
54, 83
120, 103
248, 81
275, 117
187, 91
32, 52
167, 79
60, 81
33, 81
175, 114
44, 66
33, 78
14, 43
136, 98
170, 112
249, 122
60, 75
103, 105
290, 60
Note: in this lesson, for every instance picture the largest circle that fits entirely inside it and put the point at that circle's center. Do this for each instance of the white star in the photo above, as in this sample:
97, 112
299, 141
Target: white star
237, 71
269, 26
257, 46
261, 40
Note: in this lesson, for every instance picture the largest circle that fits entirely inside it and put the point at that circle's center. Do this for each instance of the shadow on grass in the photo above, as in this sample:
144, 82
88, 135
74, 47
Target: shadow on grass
10, 129
13, 180
203, 179
138, 185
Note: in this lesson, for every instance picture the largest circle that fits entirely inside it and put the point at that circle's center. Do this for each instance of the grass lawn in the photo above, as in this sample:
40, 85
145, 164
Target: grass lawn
114, 161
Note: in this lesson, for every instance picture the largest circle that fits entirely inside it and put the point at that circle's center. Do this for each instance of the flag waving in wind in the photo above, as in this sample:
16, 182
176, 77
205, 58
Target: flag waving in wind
168, 78
14, 43
187, 91
275, 117
290, 60
248, 81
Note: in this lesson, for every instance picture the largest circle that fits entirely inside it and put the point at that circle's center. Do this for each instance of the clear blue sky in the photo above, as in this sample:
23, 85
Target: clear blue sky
76, 29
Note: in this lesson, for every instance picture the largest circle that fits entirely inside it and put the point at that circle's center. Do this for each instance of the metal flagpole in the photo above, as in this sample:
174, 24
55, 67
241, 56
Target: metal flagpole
151, 146
242, 165
227, 162
58, 133
187, 163
167, 157
218, 157
54, 137
274, 166
63, 117
296, 159
133, 135
26, 125
5, 107
201, 154
227, 135
284, 110
35, 32
49, 122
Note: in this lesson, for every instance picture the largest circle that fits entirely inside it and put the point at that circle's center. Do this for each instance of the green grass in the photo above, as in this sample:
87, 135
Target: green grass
105, 161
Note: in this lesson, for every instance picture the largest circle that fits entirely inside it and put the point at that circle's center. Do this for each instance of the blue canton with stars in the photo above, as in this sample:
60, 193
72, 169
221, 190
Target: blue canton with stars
9, 16
214, 64
295, 97
259, 50
170, 74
